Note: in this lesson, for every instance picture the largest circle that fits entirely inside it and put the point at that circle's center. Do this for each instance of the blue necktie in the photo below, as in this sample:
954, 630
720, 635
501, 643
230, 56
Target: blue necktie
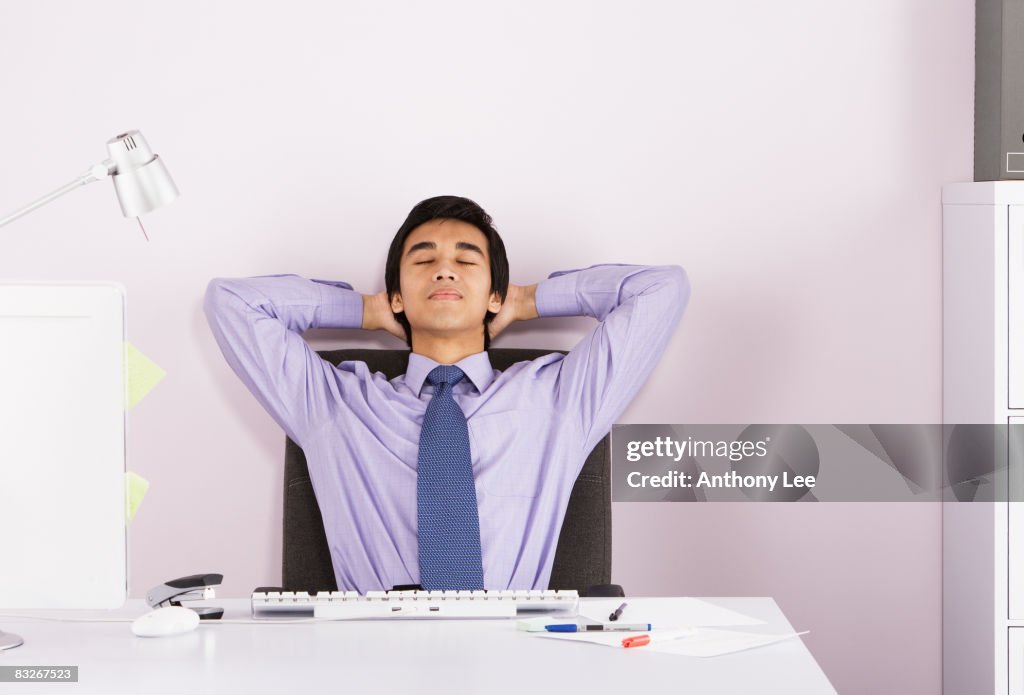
449, 527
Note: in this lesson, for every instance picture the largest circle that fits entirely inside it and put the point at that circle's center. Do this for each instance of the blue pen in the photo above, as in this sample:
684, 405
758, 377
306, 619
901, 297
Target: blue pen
599, 627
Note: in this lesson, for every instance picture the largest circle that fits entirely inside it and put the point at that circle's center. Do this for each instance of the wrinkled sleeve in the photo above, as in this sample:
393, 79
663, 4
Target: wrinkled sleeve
638, 308
258, 322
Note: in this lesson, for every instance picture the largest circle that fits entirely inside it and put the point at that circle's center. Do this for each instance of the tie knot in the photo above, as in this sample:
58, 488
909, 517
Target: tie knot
445, 374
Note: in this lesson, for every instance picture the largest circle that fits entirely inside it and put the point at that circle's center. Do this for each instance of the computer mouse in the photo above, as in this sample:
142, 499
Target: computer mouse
166, 621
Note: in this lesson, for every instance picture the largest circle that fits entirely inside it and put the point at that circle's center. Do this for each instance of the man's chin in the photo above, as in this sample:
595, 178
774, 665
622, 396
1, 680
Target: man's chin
447, 316
449, 331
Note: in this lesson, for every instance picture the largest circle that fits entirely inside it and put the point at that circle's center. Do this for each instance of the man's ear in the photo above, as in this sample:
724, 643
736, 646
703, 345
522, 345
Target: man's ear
397, 306
494, 305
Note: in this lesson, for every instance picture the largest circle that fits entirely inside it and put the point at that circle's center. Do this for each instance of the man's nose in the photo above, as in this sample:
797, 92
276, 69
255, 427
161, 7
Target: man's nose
445, 272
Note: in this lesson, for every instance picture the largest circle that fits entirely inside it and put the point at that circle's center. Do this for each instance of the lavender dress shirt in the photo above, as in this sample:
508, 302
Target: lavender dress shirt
531, 427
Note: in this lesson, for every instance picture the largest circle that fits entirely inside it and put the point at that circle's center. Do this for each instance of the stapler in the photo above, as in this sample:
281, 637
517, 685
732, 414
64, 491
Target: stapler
196, 587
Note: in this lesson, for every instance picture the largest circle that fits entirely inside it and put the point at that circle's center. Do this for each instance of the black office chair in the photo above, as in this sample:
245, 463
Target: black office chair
583, 558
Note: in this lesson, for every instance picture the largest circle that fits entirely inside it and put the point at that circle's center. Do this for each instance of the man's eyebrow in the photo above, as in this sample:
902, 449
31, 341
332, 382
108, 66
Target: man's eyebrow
421, 246
466, 246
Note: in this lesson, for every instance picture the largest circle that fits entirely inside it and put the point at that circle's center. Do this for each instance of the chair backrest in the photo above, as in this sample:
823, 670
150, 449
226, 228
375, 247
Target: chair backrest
583, 557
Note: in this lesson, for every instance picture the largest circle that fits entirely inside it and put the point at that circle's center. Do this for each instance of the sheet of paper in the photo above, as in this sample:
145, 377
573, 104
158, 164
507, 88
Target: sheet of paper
700, 642
711, 642
679, 612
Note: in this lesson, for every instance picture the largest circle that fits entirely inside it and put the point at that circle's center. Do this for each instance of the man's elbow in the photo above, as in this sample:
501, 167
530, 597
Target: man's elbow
672, 285
679, 280
216, 298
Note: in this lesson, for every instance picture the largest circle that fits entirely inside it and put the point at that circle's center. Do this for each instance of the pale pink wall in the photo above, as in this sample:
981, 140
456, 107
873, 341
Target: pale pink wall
790, 155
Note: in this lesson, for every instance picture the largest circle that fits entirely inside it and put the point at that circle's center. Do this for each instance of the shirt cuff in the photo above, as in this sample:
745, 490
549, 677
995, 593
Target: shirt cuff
340, 305
556, 296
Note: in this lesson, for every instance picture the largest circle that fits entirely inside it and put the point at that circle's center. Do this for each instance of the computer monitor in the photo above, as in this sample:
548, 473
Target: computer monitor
62, 447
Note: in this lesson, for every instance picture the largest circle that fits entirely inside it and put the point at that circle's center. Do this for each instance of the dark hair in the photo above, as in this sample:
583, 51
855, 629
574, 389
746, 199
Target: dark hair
448, 207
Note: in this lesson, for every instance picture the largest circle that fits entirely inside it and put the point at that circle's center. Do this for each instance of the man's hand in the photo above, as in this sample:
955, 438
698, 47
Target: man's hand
377, 315
520, 305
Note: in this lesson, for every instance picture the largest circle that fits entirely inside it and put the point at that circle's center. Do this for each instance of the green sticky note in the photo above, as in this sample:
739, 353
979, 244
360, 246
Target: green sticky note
135, 490
141, 375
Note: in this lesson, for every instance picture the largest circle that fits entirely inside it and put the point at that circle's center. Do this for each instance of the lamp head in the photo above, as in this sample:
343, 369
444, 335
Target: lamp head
141, 180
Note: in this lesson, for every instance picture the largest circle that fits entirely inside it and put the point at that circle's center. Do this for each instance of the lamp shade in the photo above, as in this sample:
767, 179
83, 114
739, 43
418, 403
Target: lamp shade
141, 180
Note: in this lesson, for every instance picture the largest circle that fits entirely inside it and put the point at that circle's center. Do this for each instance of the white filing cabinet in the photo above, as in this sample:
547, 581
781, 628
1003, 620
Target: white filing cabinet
983, 383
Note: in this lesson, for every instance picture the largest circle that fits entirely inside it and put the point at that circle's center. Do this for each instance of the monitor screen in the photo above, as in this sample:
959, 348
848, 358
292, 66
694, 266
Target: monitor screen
62, 446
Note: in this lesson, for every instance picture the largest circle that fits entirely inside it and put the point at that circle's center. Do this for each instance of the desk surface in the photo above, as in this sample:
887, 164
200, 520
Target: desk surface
409, 656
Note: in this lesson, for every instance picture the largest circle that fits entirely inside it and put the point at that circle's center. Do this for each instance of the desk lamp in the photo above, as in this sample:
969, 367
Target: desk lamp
140, 179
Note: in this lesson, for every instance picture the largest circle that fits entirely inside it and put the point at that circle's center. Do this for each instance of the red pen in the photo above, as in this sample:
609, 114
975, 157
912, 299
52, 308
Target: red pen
668, 636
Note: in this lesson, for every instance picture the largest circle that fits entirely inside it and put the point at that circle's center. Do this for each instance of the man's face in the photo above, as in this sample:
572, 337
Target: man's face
445, 279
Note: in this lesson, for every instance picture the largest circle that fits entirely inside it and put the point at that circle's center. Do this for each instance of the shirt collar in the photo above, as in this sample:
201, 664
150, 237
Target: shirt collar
477, 368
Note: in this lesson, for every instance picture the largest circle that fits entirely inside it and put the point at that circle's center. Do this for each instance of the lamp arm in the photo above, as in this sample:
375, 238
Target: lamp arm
94, 173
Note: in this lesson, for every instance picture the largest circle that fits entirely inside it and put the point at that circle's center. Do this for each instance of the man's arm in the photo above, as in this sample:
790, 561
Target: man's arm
258, 323
639, 308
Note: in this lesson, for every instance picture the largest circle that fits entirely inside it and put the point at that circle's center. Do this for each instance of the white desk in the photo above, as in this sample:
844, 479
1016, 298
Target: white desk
406, 656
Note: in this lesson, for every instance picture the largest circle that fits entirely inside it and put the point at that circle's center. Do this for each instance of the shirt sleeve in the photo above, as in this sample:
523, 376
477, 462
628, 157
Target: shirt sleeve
257, 322
638, 308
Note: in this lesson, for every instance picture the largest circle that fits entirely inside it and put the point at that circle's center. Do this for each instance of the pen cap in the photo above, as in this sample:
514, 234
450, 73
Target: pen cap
636, 641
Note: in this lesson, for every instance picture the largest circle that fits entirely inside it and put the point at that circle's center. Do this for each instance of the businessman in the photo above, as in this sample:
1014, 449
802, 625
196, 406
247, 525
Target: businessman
453, 475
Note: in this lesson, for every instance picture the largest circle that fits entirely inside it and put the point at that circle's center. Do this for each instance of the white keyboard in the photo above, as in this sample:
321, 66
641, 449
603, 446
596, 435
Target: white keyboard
349, 605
